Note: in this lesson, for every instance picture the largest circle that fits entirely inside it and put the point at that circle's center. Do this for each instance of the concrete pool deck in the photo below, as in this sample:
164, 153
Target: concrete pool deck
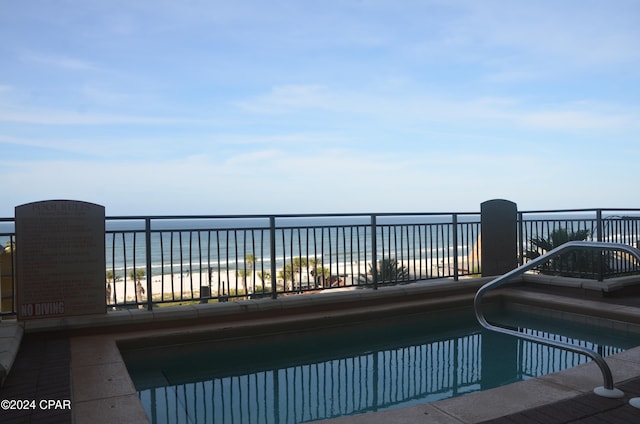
102, 391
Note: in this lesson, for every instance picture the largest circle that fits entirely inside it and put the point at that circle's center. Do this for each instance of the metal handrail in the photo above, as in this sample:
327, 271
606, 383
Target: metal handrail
608, 390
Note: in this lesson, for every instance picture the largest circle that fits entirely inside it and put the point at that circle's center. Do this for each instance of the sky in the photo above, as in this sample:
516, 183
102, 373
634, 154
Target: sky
319, 106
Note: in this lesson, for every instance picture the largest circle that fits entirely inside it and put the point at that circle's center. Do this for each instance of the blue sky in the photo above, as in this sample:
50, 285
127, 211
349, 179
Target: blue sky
210, 107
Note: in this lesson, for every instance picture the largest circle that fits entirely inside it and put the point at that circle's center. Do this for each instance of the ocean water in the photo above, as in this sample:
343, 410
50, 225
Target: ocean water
226, 244
336, 242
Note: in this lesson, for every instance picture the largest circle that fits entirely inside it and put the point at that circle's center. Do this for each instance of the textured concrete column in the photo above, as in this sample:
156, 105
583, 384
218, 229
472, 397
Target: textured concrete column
499, 237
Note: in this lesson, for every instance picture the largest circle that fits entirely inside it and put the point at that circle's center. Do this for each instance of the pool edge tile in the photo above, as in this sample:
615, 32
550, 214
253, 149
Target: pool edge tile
93, 350
504, 400
409, 415
125, 409
101, 381
452, 410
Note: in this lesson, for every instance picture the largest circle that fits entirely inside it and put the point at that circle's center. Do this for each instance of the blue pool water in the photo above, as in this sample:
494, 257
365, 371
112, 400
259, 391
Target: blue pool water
373, 366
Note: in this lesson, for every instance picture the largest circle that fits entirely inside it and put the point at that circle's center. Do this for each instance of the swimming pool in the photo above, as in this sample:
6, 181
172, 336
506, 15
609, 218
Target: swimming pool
354, 368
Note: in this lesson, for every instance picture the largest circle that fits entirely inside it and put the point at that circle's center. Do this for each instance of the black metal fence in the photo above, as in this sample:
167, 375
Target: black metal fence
541, 231
7, 275
176, 259
161, 260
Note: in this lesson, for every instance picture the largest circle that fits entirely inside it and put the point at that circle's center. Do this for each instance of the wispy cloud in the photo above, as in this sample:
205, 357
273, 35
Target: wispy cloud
102, 96
404, 109
574, 120
60, 61
346, 101
281, 139
287, 99
61, 117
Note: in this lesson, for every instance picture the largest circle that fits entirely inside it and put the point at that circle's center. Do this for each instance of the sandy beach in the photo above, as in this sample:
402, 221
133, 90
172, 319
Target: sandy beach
187, 285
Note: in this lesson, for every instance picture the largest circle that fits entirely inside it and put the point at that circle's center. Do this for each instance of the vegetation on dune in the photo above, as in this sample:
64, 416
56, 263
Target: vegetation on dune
387, 270
571, 264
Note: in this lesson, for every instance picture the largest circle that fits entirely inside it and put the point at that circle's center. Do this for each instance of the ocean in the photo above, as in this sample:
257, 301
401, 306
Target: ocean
196, 245
224, 250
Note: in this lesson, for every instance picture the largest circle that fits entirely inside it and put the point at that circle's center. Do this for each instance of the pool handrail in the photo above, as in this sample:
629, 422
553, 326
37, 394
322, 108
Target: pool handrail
608, 389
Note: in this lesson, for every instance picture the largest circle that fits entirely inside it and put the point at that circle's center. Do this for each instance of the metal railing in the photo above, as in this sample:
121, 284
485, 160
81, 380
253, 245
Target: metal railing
7, 273
608, 390
548, 228
156, 260
178, 259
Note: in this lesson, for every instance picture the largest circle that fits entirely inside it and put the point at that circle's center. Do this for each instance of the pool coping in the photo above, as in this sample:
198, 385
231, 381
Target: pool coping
510, 399
517, 397
102, 390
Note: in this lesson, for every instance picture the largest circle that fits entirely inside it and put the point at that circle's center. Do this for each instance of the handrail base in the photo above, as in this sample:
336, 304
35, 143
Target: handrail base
608, 393
635, 402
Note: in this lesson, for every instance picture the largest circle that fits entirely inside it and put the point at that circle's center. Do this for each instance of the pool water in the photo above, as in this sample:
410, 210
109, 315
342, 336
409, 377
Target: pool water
356, 368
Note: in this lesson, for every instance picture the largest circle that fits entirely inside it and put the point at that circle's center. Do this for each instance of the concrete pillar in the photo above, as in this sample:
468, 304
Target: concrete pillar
499, 242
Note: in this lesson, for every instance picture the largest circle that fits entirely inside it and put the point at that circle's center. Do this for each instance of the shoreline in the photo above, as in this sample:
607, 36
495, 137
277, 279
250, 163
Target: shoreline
188, 285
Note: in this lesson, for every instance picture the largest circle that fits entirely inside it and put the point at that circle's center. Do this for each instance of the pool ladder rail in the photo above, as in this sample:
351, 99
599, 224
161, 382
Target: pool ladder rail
607, 390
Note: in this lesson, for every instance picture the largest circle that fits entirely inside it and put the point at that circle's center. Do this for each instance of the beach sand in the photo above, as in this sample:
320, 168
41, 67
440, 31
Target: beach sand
187, 286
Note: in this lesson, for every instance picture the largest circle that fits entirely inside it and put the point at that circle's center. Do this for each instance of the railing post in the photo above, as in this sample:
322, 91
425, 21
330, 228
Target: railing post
599, 231
272, 249
374, 252
454, 220
520, 239
147, 234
